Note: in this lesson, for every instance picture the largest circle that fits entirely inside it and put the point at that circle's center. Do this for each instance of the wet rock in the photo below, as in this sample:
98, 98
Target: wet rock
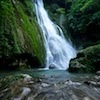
27, 77
68, 82
96, 84
52, 66
39, 80
86, 98
93, 83
97, 77
25, 92
74, 97
45, 85
55, 85
75, 66
67, 89
98, 73
87, 60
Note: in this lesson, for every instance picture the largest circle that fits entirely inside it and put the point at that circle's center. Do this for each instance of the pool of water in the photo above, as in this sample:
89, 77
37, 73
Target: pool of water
51, 75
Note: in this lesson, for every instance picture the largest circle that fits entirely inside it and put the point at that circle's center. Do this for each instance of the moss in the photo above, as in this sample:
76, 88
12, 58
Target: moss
88, 60
8, 80
86, 5
31, 33
7, 42
19, 33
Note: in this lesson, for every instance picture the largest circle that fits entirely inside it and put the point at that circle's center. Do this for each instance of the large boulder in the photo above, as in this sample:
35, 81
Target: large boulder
87, 60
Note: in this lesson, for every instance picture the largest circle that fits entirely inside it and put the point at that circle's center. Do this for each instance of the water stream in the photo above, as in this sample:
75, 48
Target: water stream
59, 51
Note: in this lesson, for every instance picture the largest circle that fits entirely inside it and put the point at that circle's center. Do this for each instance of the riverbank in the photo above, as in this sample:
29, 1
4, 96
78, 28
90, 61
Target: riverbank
50, 85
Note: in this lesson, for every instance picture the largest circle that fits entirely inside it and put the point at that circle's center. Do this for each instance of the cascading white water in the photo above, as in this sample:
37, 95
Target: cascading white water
58, 50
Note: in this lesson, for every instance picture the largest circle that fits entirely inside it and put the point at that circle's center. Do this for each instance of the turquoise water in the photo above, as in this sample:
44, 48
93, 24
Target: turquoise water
51, 75
37, 73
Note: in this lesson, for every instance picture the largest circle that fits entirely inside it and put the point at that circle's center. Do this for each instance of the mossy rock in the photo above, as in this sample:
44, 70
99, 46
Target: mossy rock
8, 80
12, 86
87, 60
19, 31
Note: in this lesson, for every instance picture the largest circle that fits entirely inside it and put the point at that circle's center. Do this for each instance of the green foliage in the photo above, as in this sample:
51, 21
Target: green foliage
7, 44
87, 60
19, 33
83, 13
82, 19
29, 29
8, 80
60, 10
28, 6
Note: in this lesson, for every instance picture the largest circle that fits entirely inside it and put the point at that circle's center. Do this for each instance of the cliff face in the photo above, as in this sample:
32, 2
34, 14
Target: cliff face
19, 32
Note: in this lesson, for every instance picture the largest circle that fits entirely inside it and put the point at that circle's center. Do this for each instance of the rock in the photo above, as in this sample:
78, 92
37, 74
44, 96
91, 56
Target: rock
97, 77
39, 80
86, 98
96, 84
68, 82
87, 60
30, 82
45, 85
25, 92
93, 83
74, 97
27, 77
98, 73
55, 85
52, 66
9, 80
67, 89
76, 66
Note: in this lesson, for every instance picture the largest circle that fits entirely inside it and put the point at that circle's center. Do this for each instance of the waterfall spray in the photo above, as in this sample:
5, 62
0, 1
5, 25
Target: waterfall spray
59, 51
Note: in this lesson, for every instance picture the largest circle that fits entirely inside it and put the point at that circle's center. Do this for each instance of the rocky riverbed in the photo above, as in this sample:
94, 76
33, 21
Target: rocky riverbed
26, 87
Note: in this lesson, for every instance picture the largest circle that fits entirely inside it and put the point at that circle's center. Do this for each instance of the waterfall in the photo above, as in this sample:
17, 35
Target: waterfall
59, 51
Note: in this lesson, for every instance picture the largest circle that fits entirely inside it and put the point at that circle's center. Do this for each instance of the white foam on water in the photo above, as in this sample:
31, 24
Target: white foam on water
59, 51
